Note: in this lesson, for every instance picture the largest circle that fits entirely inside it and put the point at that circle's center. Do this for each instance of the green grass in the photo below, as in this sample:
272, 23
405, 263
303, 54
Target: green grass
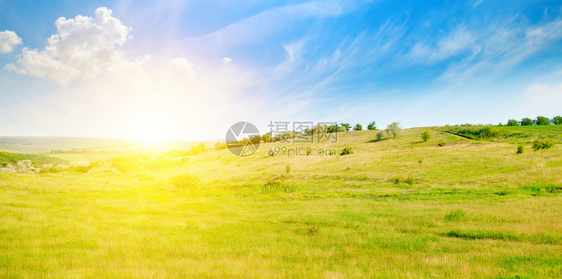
468, 209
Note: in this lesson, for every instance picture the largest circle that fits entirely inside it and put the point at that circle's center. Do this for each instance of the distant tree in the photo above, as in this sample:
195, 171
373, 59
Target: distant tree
372, 126
358, 127
541, 120
380, 135
526, 121
308, 131
255, 139
557, 120
332, 128
512, 122
425, 136
266, 137
394, 129
346, 126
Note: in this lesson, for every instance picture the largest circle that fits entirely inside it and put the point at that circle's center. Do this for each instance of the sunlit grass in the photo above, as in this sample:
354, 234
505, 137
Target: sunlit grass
394, 208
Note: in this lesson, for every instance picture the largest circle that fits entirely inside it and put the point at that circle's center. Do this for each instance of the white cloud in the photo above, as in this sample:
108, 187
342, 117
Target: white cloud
83, 47
454, 43
8, 39
181, 69
226, 60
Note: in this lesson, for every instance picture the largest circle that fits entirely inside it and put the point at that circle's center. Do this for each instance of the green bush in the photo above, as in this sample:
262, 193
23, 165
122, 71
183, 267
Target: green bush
394, 129
542, 144
526, 122
557, 120
380, 135
512, 122
358, 127
346, 150
425, 136
520, 149
288, 168
541, 120
372, 126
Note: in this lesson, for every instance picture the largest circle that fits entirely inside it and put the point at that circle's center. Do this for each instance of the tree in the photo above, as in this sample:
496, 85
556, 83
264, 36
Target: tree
425, 136
346, 126
512, 122
393, 129
372, 126
332, 129
266, 137
541, 120
557, 120
358, 127
380, 135
526, 121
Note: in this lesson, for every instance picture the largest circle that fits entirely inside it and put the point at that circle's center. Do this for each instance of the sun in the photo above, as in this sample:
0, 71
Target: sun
152, 132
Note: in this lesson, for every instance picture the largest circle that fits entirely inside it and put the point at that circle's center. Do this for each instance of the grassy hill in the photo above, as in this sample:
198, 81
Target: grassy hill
449, 207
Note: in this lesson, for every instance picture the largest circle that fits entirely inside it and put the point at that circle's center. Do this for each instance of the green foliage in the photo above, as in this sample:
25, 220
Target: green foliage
266, 137
380, 135
358, 127
394, 129
10, 158
542, 143
526, 121
288, 168
441, 144
425, 136
455, 215
512, 122
557, 120
346, 150
346, 126
332, 129
520, 149
476, 133
372, 126
541, 120
184, 181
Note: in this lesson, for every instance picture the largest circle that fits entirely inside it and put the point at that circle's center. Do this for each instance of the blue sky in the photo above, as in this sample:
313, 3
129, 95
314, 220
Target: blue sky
187, 70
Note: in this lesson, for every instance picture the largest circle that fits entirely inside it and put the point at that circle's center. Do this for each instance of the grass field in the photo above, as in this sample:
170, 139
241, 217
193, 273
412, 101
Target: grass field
399, 208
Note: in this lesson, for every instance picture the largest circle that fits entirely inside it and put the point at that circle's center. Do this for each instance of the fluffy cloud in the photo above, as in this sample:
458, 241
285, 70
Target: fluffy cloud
83, 47
181, 69
8, 39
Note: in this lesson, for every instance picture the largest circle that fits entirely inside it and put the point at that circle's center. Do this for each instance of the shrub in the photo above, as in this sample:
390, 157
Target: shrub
425, 136
526, 121
397, 180
358, 127
441, 144
372, 126
346, 126
346, 150
183, 181
288, 168
394, 129
542, 144
512, 122
557, 120
541, 120
520, 149
380, 135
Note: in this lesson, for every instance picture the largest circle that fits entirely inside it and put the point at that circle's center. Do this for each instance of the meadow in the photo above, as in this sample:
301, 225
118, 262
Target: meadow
451, 207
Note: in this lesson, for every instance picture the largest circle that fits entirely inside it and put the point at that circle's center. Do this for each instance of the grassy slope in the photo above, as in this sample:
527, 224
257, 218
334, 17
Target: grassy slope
333, 216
